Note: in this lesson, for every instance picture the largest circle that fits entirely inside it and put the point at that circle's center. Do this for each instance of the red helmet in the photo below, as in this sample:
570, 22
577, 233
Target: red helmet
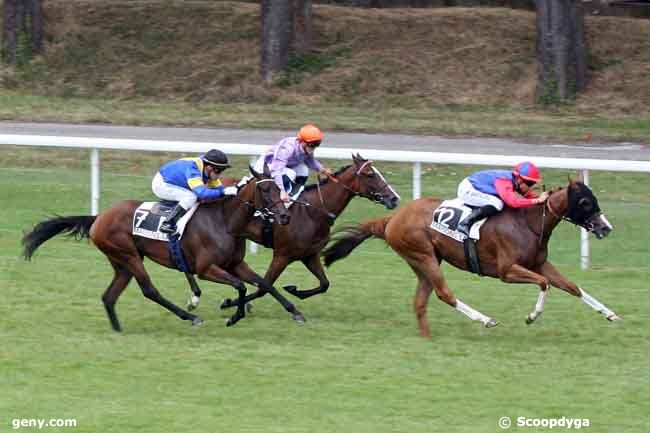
527, 171
310, 134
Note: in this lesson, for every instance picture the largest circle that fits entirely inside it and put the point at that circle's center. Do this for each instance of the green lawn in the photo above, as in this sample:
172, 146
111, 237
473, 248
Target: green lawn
357, 366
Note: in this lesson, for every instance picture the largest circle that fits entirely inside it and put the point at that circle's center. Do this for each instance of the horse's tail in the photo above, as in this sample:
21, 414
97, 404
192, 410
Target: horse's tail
77, 226
354, 236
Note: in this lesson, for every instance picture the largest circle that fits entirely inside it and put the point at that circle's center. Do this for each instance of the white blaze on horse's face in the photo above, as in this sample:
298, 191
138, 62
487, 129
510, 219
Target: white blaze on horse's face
381, 176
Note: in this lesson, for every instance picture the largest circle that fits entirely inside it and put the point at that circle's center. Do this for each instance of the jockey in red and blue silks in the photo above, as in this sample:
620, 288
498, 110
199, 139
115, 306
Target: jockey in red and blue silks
187, 180
488, 190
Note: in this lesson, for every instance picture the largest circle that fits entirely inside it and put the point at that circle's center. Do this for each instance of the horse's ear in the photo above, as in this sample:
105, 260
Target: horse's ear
267, 170
354, 159
361, 158
571, 179
253, 172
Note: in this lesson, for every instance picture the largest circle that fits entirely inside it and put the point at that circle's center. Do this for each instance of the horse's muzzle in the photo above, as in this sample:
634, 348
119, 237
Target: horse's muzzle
284, 219
390, 202
600, 226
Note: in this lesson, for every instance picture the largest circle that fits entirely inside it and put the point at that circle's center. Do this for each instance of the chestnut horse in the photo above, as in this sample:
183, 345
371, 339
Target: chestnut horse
210, 244
312, 216
513, 247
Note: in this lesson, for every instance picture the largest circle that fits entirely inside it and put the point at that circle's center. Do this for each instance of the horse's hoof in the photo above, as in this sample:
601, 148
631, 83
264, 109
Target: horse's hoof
193, 303
299, 318
291, 289
530, 319
197, 321
232, 321
614, 318
226, 303
491, 323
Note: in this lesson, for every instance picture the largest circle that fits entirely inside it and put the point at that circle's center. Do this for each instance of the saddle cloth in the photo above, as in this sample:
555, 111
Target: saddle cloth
150, 215
447, 217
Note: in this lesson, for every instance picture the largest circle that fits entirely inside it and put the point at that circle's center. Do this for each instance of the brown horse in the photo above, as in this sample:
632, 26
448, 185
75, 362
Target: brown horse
513, 247
211, 245
312, 216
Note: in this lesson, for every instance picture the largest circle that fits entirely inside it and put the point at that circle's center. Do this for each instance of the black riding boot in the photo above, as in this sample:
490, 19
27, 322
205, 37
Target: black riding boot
476, 215
169, 226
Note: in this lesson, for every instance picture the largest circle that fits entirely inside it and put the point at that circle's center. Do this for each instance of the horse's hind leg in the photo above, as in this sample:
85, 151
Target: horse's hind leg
136, 267
420, 301
560, 281
120, 281
429, 270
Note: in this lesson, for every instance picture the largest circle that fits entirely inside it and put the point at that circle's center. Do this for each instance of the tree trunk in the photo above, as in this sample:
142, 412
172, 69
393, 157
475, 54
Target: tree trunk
23, 22
9, 33
303, 26
277, 32
561, 49
37, 25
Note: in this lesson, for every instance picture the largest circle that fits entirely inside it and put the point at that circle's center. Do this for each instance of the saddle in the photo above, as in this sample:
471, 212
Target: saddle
446, 219
148, 218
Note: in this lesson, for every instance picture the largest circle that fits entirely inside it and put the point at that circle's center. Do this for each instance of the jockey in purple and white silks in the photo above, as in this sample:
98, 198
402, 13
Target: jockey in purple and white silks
187, 180
290, 160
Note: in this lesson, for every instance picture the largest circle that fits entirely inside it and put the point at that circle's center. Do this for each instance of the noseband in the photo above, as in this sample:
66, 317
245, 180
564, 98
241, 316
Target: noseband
375, 196
265, 213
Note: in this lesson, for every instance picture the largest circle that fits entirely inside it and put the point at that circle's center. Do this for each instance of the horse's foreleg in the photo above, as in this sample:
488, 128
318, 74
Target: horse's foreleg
196, 292
316, 268
218, 275
561, 282
278, 264
519, 274
243, 271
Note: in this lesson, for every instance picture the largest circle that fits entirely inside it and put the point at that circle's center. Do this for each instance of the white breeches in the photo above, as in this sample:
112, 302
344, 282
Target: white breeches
471, 196
298, 170
166, 191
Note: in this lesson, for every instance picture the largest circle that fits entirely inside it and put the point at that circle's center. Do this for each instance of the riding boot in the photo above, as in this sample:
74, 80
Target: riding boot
476, 215
169, 225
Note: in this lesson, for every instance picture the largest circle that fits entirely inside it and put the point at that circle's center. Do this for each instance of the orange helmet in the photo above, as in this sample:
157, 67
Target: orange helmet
310, 134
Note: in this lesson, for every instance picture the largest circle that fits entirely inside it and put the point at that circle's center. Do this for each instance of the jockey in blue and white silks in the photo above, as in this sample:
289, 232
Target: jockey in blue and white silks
187, 180
291, 158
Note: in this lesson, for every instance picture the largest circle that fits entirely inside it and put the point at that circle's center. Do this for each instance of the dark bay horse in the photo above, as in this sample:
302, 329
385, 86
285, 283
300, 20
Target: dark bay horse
210, 242
311, 218
513, 247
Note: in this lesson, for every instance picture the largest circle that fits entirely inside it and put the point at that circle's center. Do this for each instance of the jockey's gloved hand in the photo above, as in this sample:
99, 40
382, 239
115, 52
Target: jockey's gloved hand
230, 190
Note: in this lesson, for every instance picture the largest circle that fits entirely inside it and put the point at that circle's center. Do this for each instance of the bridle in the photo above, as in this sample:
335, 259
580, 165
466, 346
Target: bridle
375, 196
585, 224
266, 212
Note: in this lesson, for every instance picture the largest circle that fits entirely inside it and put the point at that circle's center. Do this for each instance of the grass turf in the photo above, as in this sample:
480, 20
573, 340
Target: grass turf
356, 366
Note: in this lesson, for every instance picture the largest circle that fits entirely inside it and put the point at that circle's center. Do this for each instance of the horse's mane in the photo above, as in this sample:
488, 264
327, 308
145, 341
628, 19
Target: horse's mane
327, 179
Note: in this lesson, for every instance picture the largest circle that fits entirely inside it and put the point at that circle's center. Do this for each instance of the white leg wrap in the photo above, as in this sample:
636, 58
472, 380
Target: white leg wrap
194, 300
539, 306
471, 313
596, 305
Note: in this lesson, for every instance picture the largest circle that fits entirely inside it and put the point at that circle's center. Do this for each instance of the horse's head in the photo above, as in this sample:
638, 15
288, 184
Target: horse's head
584, 211
370, 183
264, 195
